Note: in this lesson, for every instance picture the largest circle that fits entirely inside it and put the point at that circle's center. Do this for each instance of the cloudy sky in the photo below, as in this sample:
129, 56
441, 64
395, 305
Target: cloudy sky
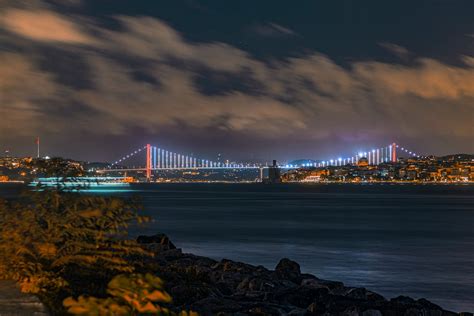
251, 80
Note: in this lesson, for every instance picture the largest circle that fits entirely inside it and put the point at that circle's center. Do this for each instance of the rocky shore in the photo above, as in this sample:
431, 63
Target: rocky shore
227, 287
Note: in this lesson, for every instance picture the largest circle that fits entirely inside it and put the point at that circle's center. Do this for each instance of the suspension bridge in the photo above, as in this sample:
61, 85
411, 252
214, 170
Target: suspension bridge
161, 159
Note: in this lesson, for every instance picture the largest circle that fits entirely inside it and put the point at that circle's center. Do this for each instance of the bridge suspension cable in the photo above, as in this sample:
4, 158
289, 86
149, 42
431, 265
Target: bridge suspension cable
126, 157
159, 158
377, 156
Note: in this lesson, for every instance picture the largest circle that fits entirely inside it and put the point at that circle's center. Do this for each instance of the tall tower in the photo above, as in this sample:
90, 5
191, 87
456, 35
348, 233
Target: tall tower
148, 162
394, 152
37, 142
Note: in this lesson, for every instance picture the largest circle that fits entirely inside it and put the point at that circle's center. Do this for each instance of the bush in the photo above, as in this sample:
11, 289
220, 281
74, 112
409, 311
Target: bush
54, 241
129, 295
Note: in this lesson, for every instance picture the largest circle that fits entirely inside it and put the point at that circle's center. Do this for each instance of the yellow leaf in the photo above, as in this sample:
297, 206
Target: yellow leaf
46, 249
78, 310
148, 308
69, 301
91, 213
159, 296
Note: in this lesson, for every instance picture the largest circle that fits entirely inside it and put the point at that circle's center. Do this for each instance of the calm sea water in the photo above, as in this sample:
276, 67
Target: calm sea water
394, 239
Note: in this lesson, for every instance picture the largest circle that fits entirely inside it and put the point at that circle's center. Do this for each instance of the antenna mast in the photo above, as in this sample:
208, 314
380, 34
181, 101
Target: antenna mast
37, 147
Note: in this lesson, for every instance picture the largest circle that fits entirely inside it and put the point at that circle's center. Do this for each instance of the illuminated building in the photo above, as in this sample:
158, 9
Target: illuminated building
363, 162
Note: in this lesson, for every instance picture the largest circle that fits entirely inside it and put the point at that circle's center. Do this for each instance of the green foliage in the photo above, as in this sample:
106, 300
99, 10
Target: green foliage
129, 295
50, 233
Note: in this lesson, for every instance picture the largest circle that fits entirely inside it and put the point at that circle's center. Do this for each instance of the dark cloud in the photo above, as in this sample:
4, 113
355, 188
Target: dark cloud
211, 82
68, 66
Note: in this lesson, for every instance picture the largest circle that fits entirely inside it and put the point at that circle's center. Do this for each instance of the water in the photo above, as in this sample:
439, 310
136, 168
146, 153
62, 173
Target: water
394, 239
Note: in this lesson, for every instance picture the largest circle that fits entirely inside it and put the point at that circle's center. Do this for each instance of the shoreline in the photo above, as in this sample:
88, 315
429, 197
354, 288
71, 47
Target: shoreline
211, 286
227, 287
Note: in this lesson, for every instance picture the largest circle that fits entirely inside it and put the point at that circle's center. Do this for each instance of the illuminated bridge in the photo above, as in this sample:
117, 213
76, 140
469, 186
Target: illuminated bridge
161, 159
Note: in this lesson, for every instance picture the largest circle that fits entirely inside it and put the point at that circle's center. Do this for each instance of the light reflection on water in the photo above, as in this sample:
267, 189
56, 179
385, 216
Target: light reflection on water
108, 190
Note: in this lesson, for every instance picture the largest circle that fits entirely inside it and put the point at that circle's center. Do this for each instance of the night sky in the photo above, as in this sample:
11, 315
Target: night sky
252, 80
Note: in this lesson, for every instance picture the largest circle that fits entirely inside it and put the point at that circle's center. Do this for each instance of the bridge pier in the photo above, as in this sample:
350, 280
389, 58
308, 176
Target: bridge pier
148, 162
394, 152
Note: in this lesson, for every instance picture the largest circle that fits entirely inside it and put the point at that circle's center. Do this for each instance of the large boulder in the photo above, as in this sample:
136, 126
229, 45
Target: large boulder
300, 296
372, 312
227, 287
357, 293
287, 269
156, 243
333, 286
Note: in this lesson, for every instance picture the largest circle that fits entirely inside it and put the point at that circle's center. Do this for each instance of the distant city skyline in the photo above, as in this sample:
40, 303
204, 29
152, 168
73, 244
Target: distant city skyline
246, 80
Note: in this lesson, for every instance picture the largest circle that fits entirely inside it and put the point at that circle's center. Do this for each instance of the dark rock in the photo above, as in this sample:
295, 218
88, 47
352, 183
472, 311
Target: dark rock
159, 239
312, 308
372, 312
226, 287
213, 305
298, 312
232, 266
351, 311
265, 310
413, 312
372, 296
263, 284
307, 276
427, 304
313, 283
288, 270
357, 293
332, 285
402, 301
301, 296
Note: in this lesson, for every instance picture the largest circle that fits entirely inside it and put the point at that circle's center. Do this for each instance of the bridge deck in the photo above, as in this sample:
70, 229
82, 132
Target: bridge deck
182, 168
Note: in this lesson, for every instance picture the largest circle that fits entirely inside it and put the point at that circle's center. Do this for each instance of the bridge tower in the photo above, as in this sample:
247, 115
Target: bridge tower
394, 152
148, 162
261, 174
